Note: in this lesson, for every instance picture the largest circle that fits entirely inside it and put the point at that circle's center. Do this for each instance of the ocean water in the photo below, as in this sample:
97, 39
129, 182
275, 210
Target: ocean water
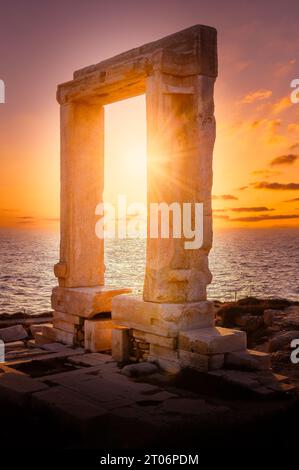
259, 262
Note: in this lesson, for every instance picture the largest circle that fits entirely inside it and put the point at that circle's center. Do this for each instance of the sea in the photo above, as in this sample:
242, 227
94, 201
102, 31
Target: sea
244, 262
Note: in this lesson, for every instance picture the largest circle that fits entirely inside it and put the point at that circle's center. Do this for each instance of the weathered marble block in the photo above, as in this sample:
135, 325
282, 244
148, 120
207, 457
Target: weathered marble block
97, 335
212, 340
161, 319
84, 301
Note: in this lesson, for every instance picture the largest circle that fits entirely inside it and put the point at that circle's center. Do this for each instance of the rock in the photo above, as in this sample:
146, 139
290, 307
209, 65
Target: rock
282, 340
291, 317
269, 316
13, 333
139, 370
248, 360
249, 323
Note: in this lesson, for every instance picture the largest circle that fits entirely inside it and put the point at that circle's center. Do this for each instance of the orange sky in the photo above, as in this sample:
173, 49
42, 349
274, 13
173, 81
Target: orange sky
257, 126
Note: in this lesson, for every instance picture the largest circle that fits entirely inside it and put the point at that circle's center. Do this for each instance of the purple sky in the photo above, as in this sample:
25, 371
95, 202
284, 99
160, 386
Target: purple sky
43, 42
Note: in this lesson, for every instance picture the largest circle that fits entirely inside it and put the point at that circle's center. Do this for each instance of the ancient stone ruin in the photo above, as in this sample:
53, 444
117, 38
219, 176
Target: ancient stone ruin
172, 324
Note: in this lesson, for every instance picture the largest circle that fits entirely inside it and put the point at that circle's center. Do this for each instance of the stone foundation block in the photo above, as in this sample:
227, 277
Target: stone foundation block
171, 367
248, 360
201, 362
164, 353
84, 301
120, 344
64, 326
40, 339
155, 339
48, 332
63, 337
161, 319
38, 328
212, 340
97, 335
67, 317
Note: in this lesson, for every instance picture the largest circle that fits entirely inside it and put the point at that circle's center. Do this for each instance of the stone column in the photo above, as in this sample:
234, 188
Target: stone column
81, 293
82, 181
181, 134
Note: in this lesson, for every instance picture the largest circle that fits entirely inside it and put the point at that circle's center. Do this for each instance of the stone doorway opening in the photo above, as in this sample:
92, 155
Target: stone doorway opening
172, 318
125, 173
177, 75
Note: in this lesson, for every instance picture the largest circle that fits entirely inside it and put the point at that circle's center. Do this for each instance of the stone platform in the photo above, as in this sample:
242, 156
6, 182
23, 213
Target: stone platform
81, 317
174, 336
91, 397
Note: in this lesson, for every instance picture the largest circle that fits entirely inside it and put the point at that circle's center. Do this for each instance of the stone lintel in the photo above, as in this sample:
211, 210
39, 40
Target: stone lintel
181, 41
161, 319
84, 302
189, 52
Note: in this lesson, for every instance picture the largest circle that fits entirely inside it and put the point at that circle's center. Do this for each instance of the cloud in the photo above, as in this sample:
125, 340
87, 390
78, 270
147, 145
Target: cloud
292, 200
294, 146
283, 69
281, 105
242, 65
294, 127
251, 209
9, 210
260, 218
225, 217
225, 197
273, 136
284, 159
242, 188
254, 96
26, 220
271, 128
276, 186
266, 173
